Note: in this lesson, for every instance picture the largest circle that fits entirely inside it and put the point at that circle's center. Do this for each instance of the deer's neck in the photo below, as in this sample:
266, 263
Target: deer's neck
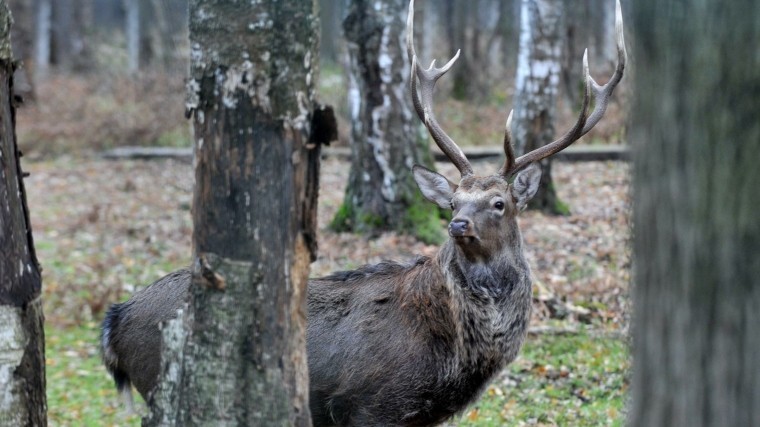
492, 298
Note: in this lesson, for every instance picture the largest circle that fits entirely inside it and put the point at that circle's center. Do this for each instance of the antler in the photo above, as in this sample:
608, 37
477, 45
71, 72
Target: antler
423, 102
585, 122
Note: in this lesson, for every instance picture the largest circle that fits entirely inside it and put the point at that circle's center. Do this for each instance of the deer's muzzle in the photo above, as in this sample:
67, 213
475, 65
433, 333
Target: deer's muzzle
461, 227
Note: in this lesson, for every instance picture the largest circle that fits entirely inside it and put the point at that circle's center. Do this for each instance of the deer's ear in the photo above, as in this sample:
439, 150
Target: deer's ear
525, 185
434, 186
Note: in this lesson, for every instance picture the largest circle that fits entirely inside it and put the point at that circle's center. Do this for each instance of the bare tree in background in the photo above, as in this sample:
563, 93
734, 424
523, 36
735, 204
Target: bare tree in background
477, 27
537, 85
587, 24
385, 137
331, 14
72, 21
22, 341
238, 357
696, 135
42, 38
132, 33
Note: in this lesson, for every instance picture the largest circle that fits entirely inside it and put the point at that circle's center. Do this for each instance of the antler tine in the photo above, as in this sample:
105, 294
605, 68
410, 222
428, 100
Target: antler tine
585, 121
423, 101
509, 150
602, 94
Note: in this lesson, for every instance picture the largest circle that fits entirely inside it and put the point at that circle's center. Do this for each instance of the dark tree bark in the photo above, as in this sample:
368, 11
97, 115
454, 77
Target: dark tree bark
385, 135
537, 85
22, 343
22, 38
696, 136
241, 359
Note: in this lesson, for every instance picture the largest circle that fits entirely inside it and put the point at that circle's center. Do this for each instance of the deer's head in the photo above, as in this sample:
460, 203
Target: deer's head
485, 207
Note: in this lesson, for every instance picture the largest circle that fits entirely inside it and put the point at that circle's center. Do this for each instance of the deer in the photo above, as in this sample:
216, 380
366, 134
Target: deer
400, 344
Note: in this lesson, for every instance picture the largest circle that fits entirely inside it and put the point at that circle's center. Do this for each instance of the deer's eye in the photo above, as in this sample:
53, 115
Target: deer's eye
499, 205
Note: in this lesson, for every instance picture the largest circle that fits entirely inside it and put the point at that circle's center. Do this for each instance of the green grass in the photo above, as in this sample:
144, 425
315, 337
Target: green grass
79, 391
576, 380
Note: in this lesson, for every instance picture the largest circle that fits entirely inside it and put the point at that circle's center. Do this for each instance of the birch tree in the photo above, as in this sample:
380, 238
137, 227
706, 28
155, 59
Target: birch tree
22, 341
385, 134
237, 356
537, 85
697, 278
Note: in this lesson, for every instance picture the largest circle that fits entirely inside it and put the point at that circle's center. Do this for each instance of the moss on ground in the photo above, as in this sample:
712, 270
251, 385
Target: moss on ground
576, 380
422, 220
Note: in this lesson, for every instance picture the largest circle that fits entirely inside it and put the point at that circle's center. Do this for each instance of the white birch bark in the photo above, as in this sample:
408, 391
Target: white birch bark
537, 85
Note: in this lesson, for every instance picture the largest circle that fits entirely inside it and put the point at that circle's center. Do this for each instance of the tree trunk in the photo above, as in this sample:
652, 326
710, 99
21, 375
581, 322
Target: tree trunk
241, 359
132, 32
330, 12
70, 25
42, 39
696, 136
385, 138
22, 342
537, 83
22, 38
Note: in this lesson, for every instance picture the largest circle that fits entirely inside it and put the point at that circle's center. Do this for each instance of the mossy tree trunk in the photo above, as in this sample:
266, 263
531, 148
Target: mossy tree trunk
696, 136
241, 358
22, 341
385, 135
536, 88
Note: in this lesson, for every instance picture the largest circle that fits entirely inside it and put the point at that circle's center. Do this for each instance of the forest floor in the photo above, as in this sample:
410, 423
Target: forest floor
103, 229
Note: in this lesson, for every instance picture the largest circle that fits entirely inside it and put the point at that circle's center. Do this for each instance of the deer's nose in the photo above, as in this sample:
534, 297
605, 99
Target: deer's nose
460, 227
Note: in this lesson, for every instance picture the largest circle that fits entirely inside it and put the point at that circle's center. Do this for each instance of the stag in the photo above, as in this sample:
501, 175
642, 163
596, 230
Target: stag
401, 344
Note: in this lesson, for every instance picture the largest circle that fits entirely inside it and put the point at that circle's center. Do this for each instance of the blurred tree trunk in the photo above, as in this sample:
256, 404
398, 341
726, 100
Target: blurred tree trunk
161, 33
22, 342
537, 85
588, 24
331, 13
241, 358
476, 27
132, 32
71, 23
509, 33
385, 140
42, 38
696, 135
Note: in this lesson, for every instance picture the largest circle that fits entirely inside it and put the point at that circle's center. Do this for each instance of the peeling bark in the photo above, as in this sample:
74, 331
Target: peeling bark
696, 137
251, 95
537, 85
385, 143
22, 348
